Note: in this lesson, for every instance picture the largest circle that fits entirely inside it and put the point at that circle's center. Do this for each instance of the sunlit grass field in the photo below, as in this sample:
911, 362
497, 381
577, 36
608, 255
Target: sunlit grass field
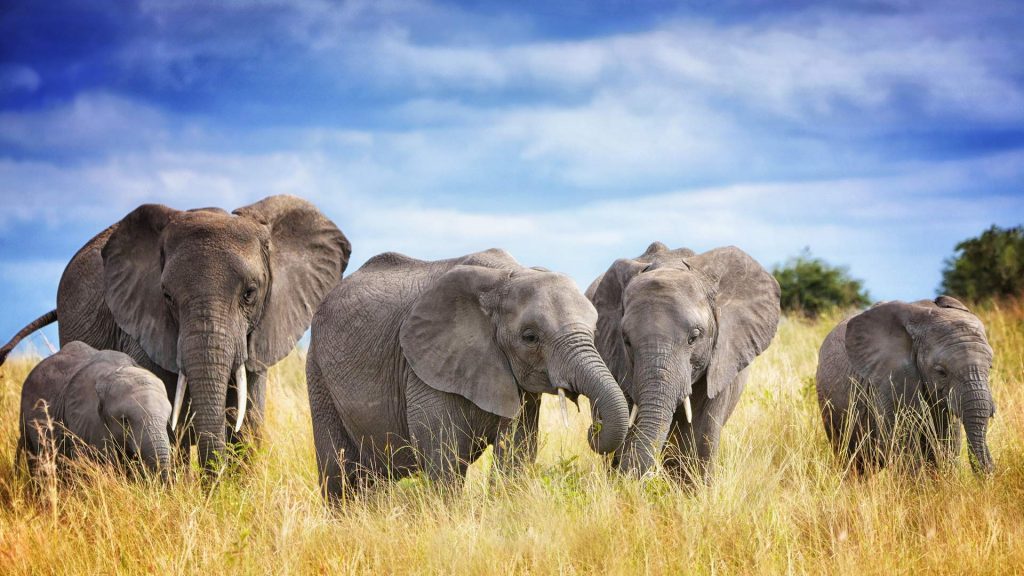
781, 503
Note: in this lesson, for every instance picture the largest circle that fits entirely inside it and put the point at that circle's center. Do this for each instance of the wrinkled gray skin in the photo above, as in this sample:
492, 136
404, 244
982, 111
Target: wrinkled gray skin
927, 361
421, 365
82, 398
203, 292
674, 324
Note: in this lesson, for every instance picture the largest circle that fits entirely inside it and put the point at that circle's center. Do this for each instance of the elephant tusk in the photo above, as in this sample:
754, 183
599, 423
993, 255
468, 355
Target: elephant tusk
632, 415
242, 388
688, 410
564, 408
179, 399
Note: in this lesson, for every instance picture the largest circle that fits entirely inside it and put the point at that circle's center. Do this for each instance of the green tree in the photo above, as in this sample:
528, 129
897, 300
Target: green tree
991, 265
810, 286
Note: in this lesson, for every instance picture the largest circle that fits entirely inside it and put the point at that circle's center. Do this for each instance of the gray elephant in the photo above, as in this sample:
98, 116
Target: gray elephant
923, 364
678, 330
205, 299
83, 400
418, 365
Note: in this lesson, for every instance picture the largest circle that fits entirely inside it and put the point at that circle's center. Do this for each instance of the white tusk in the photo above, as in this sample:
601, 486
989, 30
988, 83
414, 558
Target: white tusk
632, 415
242, 388
688, 410
564, 407
179, 399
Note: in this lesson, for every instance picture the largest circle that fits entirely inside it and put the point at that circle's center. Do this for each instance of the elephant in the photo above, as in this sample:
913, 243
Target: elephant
204, 299
924, 364
82, 401
678, 330
418, 366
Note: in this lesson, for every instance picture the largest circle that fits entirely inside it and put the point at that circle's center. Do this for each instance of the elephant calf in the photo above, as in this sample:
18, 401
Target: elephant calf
891, 380
421, 365
678, 330
81, 400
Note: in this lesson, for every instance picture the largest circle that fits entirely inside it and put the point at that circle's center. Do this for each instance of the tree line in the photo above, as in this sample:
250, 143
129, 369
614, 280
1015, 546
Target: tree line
989, 266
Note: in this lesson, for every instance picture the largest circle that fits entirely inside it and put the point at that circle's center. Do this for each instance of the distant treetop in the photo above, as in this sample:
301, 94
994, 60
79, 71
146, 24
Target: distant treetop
810, 286
989, 266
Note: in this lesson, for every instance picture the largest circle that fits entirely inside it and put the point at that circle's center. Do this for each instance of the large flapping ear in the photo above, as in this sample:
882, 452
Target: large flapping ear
607, 299
132, 291
880, 346
307, 256
746, 304
449, 339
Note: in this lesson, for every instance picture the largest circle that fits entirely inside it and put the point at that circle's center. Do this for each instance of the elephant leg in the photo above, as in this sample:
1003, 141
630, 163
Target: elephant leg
940, 439
337, 456
691, 448
440, 431
516, 443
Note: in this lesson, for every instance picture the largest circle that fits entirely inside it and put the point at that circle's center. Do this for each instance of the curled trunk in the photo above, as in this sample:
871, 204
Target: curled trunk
583, 370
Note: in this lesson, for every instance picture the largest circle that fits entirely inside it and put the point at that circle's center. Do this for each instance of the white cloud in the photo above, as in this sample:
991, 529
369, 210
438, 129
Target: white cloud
92, 121
892, 230
18, 78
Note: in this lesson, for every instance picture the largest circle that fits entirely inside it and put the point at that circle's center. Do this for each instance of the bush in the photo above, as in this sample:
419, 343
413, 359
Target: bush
989, 266
811, 286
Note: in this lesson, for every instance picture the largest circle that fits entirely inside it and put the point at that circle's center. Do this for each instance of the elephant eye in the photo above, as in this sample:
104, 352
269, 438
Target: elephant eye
168, 299
249, 296
694, 334
530, 337
940, 371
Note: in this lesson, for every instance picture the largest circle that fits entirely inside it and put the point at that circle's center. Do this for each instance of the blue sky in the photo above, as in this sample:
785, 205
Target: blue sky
571, 133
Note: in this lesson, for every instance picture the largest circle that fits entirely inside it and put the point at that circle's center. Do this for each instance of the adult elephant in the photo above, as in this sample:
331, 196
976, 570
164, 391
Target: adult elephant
418, 365
205, 299
895, 378
678, 330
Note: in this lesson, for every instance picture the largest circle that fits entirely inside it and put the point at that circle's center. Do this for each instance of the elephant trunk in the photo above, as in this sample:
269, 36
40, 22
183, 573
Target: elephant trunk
155, 449
974, 407
209, 359
659, 386
581, 367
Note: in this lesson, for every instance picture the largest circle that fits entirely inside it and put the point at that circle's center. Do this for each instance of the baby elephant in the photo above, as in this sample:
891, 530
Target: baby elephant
926, 362
82, 398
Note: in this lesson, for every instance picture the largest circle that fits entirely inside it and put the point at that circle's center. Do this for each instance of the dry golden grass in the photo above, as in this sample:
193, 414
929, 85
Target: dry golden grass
781, 503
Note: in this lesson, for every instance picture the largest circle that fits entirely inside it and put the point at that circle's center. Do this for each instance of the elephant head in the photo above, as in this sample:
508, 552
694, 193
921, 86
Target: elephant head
935, 348
672, 319
209, 294
486, 333
134, 408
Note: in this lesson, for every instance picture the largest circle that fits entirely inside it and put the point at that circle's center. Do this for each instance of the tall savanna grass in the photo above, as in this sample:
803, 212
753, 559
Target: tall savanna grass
780, 502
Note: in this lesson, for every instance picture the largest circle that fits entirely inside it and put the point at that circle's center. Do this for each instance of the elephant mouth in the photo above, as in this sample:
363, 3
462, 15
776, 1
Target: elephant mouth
242, 388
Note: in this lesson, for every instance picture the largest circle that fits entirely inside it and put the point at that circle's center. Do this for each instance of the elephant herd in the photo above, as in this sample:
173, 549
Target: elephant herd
169, 320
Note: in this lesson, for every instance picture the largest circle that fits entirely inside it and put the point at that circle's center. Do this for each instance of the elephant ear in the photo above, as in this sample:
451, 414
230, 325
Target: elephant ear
607, 299
950, 302
880, 345
132, 290
746, 305
449, 339
307, 256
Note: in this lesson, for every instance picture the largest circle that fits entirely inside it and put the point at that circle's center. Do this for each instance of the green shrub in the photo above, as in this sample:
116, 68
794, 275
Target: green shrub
811, 286
989, 266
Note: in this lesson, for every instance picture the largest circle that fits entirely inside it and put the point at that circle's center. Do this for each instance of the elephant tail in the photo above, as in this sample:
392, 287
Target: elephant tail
48, 318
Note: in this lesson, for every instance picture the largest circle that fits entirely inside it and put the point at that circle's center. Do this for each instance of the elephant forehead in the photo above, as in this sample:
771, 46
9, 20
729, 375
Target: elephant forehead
551, 295
667, 287
216, 228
